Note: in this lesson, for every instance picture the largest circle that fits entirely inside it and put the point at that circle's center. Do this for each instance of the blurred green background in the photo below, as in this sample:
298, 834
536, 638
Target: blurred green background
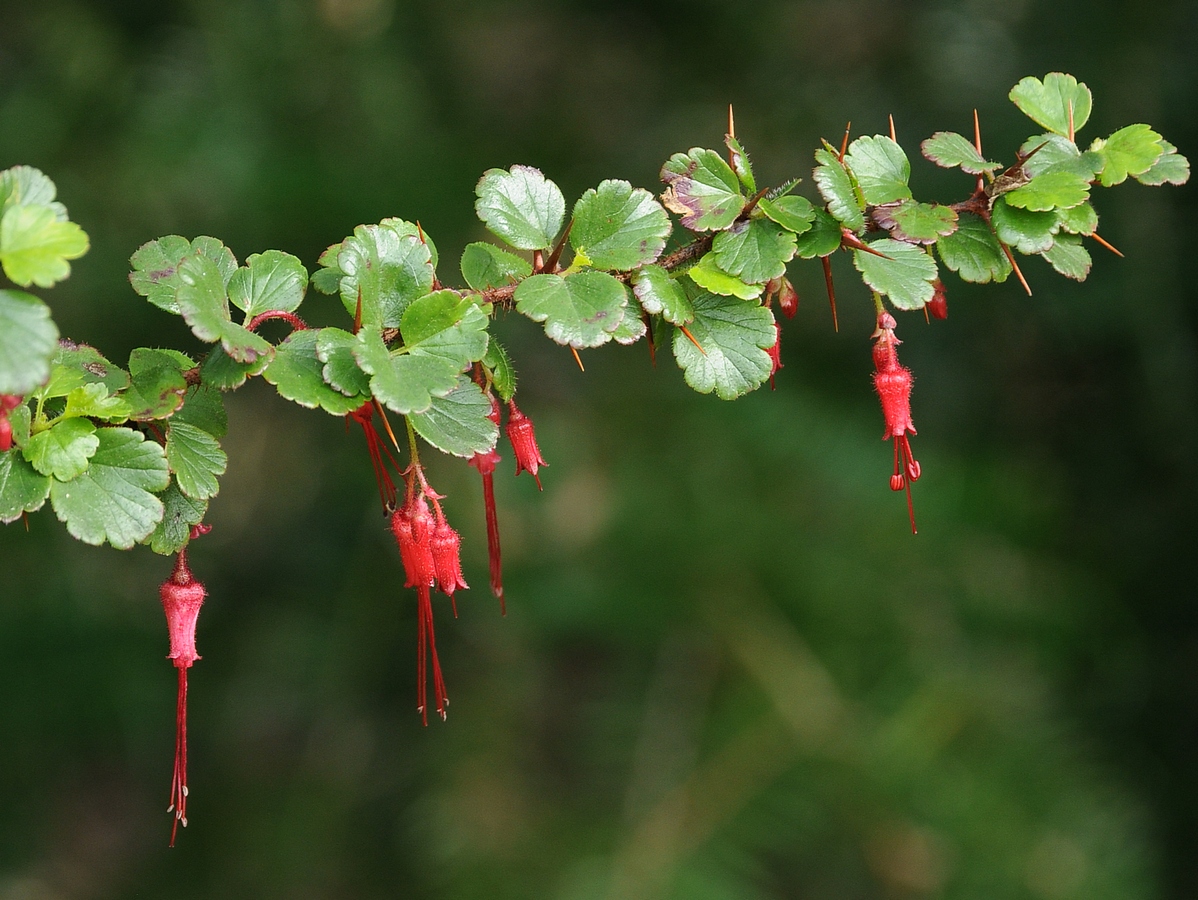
727, 669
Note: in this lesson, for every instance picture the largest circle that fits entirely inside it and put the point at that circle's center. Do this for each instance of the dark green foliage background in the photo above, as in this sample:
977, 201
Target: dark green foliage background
728, 670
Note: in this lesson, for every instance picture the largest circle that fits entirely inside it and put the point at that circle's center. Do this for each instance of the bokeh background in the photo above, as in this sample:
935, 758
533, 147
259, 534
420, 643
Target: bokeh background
727, 669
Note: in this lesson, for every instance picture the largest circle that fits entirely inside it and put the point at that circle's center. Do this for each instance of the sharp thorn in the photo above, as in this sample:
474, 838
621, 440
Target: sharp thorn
578, 359
1106, 244
690, 337
892, 135
977, 133
844, 144
831, 291
731, 123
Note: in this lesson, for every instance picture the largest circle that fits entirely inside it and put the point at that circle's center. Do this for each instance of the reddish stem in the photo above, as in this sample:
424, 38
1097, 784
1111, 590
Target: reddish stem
291, 319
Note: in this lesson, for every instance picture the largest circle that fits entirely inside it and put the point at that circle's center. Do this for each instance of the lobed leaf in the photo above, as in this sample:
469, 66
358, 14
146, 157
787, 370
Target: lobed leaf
225, 374
905, 274
734, 336
707, 274
1051, 190
521, 206
196, 459
204, 408
661, 295
204, 305
973, 252
93, 401
755, 250
1053, 153
1069, 257
459, 422
1080, 219
823, 238
485, 266
180, 513
64, 450
578, 310
948, 149
22, 489
27, 186
114, 499
335, 348
881, 168
75, 365
388, 269
155, 273
35, 245
1025, 230
618, 227
1047, 102
297, 372
793, 213
703, 189
157, 387
28, 341
838, 192
1129, 151
915, 222
1171, 168
273, 280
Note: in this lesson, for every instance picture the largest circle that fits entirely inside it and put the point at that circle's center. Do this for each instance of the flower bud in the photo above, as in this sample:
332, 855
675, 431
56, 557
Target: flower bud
788, 299
446, 550
938, 305
524, 442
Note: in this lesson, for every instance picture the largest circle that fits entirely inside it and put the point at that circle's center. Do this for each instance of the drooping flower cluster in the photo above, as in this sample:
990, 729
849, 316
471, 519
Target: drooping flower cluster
892, 381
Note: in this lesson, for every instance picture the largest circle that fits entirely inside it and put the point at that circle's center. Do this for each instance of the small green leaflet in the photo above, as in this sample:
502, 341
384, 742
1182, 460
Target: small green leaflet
269, 281
35, 245
204, 305
1048, 102
915, 222
1053, 153
973, 252
404, 227
327, 279
443, 333
823, 238
631, 328
28, 341
702, 189
836, 187
1051, 190
78, 364
734, 336
617, 227
740, 163
225, 374
579, 310
204, 408
388, 268
180, 513
157, 387
20, 419
92, 401
521, 206
458, 423
1171, 168
792, 213
155, 273
948, 149
662, 295
64, 450
1026, 231
707, 274
22, 489
754, 251
298, 374
503, 375
905, 276
196, 459
114, 499
1080, 219
1129, 151
335, 348
1069, 257
485, 266
27, 186
881, 169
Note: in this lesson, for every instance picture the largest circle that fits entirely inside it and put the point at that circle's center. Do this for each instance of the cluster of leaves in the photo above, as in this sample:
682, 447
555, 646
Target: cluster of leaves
133, 456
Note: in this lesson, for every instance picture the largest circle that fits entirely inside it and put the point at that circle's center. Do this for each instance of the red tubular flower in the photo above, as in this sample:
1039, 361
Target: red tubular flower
892, 381
938, 305
413, 528
486, 463
364, 416
182, 597
524, 442
447, 561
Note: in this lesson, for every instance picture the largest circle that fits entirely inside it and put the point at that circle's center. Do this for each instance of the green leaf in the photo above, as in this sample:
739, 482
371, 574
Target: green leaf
196, 459
973, 252
521, 206
78, 364
915, 222
443, 333
28, 341
22, 489
35, 245
702, 189
204, 305
838, 192
298, 374
793, 213
948, 149
707, 274
225, 374
335, 348
92, 401
741, 164
1171, 168
180, 513
157, 387
1047, 102
327, 279
155, 265
1053, 153
905, 277
1026, 231
1051, 190
631, 329
503, 375
458, 423
390, 268
881, 169
1129, 151
114, 499
404, 227
1069, 257
617, 227
485, 266
662, 295
20, 419
1080, 219
27, 186
64, 450
273, 280
581, 310
754, 251
734, 336
204, 408
823, 238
